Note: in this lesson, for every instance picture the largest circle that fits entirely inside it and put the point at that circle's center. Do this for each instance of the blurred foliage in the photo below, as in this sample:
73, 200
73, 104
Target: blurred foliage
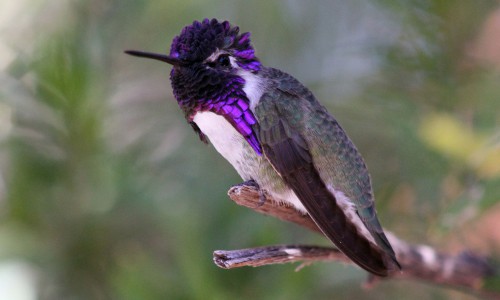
107, 194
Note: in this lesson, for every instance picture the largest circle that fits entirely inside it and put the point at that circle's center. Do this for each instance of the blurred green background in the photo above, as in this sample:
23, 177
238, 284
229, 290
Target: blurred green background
106, 193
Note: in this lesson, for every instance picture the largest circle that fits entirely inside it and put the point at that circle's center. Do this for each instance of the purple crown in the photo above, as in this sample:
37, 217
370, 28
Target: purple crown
199, 40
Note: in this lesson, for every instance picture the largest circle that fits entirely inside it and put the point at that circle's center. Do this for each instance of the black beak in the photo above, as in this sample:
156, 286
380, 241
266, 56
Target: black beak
165, 58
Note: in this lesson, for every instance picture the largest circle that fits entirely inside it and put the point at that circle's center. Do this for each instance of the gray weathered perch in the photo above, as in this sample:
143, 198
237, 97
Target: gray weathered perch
465, 271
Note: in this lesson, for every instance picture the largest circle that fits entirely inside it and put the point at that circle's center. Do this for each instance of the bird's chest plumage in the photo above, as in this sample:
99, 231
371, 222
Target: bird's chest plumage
236, 150
228, 142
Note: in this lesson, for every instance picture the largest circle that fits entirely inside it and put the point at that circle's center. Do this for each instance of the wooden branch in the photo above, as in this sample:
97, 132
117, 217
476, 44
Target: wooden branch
465, 271
261, 256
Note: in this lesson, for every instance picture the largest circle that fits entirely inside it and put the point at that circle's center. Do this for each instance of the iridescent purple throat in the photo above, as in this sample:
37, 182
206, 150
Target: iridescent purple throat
236, 111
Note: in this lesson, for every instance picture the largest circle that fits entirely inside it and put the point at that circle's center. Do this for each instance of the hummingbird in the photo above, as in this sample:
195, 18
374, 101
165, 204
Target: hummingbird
276, 134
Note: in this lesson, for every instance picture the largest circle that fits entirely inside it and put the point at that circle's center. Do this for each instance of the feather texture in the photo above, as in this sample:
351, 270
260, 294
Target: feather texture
317, 160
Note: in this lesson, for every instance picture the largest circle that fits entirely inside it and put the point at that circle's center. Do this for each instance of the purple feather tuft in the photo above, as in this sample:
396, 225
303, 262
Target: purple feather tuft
243, 104
199, 40
246, 53
244, 38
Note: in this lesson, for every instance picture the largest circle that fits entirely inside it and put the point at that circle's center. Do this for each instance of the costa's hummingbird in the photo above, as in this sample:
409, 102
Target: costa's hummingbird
273, 131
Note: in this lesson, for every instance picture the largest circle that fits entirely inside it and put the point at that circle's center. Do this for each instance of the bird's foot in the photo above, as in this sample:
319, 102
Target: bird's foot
262, 193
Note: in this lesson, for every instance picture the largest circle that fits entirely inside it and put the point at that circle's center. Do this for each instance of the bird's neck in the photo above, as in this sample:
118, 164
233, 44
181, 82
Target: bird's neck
253, 87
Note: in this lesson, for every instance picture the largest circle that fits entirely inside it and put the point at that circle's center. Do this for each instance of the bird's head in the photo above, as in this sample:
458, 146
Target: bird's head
208, 60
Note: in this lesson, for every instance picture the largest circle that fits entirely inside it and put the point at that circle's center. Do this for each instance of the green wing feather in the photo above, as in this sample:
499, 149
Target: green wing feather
311, 152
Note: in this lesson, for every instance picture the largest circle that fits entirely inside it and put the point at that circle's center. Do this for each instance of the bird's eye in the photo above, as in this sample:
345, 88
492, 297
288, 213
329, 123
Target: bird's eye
223, 60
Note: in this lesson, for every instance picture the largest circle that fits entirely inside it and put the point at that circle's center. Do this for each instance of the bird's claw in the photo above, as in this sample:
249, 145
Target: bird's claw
262, 193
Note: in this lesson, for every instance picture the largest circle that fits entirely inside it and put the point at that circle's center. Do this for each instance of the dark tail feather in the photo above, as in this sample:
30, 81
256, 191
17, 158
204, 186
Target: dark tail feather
330, 218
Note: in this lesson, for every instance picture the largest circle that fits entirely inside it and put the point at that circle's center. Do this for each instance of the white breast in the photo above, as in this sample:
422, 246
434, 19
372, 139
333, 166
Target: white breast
222, 135
235, 149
